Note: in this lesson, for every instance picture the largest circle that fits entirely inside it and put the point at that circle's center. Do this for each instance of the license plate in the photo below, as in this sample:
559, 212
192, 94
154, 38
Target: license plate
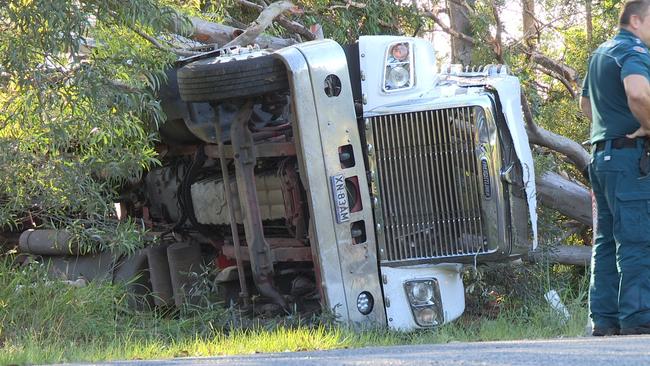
340, 196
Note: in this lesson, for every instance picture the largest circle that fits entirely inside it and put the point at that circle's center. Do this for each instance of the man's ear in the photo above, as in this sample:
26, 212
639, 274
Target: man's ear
635, 21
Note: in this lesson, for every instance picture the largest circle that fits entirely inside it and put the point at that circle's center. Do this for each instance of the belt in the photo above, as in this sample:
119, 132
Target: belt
619, 143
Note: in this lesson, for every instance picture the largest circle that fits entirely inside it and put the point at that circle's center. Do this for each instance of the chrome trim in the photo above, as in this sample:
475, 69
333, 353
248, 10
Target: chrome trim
432, 203
427, 104
322, 124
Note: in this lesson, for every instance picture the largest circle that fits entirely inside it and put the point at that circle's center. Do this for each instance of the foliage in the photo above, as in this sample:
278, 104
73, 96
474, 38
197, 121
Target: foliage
345, 23
78, 109
79, 113
342, 21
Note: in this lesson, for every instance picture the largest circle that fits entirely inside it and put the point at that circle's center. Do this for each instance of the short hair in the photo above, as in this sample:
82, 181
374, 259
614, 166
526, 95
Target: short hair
633, 7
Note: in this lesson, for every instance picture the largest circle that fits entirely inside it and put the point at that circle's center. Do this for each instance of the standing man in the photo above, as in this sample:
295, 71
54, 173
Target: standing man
616, 97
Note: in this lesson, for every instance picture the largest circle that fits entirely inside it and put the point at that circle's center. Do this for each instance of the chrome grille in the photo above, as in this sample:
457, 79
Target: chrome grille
429, 184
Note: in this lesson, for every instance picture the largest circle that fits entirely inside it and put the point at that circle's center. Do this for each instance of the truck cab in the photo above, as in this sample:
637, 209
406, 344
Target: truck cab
361, 176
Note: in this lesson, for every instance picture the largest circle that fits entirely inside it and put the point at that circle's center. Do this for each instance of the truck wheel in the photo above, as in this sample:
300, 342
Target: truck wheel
225, 77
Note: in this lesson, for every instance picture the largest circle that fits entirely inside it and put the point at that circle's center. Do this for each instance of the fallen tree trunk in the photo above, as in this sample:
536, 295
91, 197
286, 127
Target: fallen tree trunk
575, 255
567, 197
573, 200
220, 34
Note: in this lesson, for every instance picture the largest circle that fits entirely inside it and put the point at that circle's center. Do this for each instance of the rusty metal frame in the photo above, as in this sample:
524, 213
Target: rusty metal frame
292, 195
231, 211
279, 254
261, 260
262, 150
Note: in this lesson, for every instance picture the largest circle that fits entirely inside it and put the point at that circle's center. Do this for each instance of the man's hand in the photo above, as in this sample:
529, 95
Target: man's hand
641, 132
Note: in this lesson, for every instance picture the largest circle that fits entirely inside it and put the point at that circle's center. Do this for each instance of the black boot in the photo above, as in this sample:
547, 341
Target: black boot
641, 329
605, 332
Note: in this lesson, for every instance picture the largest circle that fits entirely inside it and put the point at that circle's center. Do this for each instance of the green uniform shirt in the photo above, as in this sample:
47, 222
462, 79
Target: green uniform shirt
610, 63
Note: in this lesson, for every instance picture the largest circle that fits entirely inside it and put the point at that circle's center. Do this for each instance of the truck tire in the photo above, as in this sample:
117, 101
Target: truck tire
216, 79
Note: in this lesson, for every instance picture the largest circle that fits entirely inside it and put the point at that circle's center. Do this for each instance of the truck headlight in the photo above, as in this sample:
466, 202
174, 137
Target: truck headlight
397, 77
398, 70
426, 303
426, 317
420, 293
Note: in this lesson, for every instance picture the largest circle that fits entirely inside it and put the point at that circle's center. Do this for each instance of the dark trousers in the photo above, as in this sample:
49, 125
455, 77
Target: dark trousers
619, 290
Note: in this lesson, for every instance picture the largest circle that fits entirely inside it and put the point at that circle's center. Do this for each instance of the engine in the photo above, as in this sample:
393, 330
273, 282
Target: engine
192, 197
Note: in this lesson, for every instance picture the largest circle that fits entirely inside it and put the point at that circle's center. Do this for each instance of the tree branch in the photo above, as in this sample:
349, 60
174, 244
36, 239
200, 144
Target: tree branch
543, 88
566, 196
497, 45
234, 22
119, 84
465, 6
495, 41
575, 255
565, 74
262, 22
287, 24
317, 30
531, 33
539, 136
589, 23
157, 44
559, 68
445, 28
355, 4
568, 85
348, 4
220, 34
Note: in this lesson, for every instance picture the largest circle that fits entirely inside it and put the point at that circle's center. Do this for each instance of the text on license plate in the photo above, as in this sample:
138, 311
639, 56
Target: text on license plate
340, 196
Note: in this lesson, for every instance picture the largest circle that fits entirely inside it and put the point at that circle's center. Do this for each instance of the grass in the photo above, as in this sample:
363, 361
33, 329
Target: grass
45, 322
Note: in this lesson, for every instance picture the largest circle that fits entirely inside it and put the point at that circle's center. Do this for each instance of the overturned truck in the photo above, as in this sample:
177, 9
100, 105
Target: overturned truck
358, 178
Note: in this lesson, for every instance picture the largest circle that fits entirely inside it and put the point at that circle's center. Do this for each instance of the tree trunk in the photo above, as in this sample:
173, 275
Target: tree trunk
573, 200
567, 197
461, 50
564, 254
590, 24
220, 34
539, 136
529, 23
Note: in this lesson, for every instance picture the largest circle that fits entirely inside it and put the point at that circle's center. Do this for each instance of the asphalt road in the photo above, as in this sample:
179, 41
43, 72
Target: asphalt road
609, 351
